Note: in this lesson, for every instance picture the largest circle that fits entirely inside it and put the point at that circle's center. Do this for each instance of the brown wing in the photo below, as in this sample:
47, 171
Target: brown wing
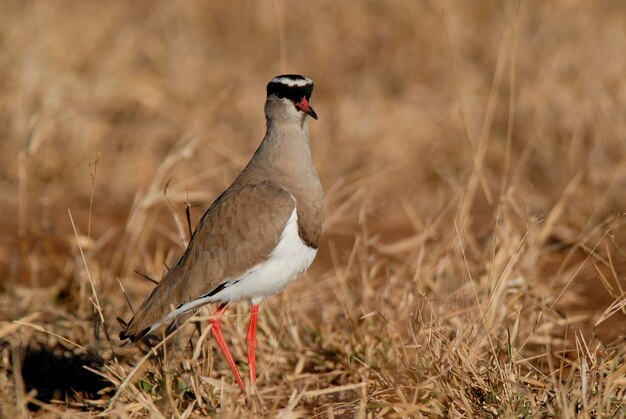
240, 230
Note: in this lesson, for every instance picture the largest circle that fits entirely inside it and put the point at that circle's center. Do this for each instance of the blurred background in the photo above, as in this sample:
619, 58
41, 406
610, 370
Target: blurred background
403, 90
456, 139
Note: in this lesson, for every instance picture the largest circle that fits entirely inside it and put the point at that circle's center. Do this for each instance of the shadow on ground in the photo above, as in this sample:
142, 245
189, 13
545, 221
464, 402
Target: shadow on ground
59, 374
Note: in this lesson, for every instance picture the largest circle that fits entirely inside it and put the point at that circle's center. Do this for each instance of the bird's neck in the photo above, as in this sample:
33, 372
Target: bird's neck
284, 158
284, 155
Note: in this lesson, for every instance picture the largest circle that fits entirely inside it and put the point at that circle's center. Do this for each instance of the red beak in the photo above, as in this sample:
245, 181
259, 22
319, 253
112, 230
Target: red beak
305, 107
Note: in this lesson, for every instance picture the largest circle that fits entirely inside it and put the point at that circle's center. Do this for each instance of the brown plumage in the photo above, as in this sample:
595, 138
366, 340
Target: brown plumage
242, 229
219, 249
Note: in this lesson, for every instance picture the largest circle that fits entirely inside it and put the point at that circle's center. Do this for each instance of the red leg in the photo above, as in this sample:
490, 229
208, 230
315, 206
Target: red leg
252, 342
217, 333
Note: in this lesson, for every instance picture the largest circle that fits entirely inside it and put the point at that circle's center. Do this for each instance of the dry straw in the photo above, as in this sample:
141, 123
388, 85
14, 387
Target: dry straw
474, 165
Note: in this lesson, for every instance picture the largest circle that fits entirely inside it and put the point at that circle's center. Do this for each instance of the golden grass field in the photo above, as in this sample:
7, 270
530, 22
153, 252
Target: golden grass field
473, 157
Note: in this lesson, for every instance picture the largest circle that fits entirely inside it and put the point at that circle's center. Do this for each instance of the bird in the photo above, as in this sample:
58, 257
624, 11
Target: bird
258, 236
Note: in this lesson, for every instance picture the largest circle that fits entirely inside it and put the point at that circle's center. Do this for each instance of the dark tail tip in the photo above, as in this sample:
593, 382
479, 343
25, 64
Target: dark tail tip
136, 337
123, 324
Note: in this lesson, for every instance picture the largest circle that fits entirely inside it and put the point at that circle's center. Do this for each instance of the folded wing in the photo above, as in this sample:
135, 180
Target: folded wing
239, 231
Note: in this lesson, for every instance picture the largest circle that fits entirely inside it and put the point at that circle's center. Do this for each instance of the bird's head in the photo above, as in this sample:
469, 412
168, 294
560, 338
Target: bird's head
289, 98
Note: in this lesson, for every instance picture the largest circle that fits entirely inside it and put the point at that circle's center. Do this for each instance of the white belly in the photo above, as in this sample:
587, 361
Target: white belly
288, 260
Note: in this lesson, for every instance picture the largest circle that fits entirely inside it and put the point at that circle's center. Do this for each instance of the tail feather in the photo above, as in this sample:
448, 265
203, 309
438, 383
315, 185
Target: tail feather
155, 307
134, 338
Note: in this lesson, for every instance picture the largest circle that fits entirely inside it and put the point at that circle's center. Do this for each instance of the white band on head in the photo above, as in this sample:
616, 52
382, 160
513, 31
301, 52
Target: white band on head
288, 81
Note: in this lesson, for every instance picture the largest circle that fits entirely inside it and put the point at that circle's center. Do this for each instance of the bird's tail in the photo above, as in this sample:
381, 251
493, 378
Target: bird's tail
154, 311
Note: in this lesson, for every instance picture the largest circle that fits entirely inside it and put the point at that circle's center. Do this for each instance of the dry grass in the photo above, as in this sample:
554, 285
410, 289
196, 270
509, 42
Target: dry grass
473, 156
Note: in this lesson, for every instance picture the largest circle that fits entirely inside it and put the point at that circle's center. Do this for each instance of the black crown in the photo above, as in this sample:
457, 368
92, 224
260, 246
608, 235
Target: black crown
290, 86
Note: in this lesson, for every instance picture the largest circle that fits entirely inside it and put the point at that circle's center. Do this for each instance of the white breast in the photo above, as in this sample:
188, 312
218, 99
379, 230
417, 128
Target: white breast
290, 258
